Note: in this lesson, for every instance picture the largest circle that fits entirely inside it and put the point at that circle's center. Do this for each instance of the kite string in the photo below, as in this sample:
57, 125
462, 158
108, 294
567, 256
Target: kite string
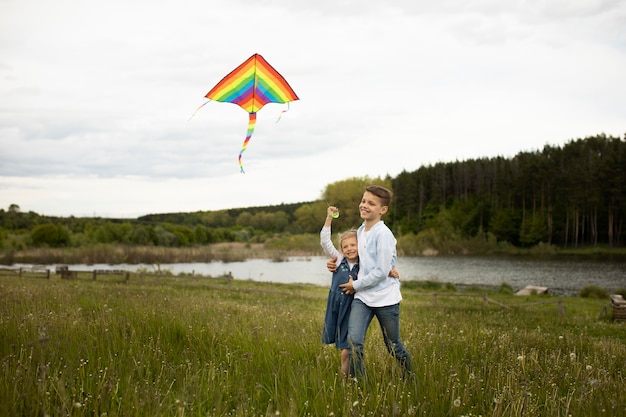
199, 107
281, 113
251, 123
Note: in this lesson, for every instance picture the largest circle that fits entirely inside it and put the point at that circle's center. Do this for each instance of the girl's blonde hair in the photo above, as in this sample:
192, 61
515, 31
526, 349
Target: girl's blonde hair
348, 233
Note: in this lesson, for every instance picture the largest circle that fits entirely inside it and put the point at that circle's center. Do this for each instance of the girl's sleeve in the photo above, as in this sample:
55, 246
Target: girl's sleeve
327, 243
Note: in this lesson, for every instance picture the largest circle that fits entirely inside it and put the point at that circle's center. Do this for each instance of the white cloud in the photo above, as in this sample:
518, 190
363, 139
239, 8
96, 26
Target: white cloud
96, 96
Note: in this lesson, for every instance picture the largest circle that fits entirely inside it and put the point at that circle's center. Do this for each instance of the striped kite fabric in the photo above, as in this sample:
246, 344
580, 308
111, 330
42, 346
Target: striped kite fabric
251, 86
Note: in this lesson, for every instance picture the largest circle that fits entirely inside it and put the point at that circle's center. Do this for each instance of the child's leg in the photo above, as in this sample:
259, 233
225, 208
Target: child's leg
345, 362
360, 318
389, 319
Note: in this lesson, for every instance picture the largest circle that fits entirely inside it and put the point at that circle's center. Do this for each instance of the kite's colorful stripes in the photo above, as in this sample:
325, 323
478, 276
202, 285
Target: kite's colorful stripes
252, 85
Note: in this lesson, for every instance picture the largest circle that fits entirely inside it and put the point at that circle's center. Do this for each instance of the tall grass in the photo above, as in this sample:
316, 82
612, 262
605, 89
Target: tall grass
190, 347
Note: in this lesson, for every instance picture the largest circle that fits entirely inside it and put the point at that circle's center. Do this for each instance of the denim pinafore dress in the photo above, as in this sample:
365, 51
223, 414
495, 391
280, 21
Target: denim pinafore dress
338, 307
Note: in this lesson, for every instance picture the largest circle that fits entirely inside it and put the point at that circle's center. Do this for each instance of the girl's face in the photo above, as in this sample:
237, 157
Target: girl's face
350, 249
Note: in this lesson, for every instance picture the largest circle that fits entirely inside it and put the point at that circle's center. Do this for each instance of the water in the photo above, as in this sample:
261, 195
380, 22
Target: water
561, 276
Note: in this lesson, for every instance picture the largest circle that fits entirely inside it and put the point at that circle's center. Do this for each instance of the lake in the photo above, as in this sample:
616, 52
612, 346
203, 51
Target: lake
563, 276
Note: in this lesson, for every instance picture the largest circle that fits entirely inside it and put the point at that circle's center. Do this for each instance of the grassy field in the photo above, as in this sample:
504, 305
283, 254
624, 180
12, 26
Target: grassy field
182, 346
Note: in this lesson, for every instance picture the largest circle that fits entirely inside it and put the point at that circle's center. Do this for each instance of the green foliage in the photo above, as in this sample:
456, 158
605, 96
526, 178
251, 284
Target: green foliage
543, 249
346, 196
593, 291
309, 218
275, 222
143, 235
566, 196
310, 243
428, 285
506, 289
51, 235
505, 224
533, 231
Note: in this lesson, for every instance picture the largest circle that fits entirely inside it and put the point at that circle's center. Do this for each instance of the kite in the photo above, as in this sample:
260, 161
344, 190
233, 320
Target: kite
252, 85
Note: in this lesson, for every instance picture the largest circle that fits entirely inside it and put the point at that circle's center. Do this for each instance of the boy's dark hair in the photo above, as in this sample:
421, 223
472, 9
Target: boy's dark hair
381, 192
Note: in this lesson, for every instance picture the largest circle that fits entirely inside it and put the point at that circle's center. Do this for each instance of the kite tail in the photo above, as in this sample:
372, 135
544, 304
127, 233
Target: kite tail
251, 123
281, 113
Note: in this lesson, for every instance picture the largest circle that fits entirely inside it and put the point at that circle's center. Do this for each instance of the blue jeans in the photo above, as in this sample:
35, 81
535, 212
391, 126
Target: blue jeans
389, 320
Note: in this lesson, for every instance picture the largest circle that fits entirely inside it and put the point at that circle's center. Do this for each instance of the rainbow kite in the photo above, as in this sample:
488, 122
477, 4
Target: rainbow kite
252, 85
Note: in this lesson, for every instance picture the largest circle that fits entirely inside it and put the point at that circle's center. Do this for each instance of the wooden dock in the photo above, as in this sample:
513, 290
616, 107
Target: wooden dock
532, 290
618, 304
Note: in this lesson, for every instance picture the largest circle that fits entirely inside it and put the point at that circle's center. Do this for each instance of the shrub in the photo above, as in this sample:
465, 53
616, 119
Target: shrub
593, 291
429, 285
51, 235
506, 289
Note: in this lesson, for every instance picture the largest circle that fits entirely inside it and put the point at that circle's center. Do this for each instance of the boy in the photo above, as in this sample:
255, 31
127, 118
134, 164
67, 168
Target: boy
375, 293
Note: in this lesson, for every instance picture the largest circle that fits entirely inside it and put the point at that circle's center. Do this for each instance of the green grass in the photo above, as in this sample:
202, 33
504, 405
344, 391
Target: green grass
176, 346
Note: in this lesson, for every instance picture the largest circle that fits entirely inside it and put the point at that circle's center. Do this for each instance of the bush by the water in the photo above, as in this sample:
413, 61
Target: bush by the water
593, 291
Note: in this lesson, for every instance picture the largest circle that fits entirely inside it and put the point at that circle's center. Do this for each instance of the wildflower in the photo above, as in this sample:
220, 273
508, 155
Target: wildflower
354, 404
589, 367
77, 405
520, 358
457, 402
572, 356
560, 337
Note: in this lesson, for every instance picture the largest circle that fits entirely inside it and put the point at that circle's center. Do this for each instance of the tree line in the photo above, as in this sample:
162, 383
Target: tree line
569, 196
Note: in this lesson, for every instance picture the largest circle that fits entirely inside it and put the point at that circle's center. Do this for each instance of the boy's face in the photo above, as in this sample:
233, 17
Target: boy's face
371, 208
350, 249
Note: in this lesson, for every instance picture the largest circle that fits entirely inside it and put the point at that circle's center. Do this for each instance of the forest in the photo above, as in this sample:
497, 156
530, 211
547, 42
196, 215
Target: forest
570, 196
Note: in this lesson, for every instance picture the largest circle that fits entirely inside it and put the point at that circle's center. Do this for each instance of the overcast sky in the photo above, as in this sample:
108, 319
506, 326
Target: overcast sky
96, 96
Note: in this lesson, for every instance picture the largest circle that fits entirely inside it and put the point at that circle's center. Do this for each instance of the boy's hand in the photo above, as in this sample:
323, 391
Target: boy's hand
332, 264
348, 288
394, 273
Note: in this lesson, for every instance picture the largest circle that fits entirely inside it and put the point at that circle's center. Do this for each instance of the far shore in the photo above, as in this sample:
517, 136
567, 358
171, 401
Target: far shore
238, 251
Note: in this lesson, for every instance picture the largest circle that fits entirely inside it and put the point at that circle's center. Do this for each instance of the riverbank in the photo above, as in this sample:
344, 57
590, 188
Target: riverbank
237, 251
563, 276
126, 254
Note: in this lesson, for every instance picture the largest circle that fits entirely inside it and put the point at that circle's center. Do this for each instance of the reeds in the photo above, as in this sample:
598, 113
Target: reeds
118, 254
173, 346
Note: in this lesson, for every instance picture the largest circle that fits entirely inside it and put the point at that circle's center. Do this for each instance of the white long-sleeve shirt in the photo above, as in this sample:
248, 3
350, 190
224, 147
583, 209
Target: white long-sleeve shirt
327, 244
377, 253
